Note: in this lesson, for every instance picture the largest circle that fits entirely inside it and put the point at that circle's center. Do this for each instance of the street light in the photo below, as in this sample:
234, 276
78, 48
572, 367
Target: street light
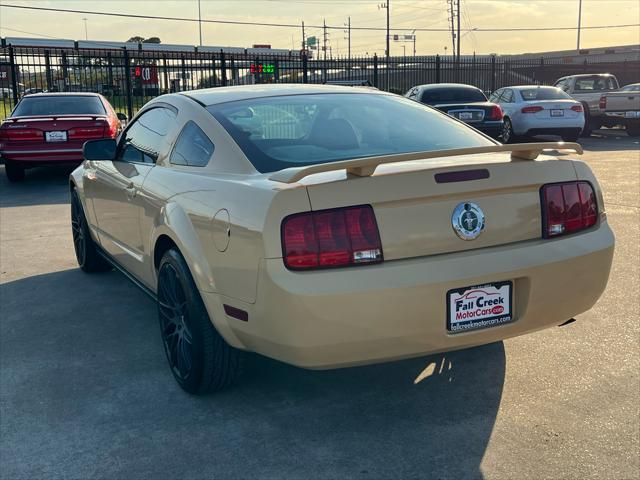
200, 22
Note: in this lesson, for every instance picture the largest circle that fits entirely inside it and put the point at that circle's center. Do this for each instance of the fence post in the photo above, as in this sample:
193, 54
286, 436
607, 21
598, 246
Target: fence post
183, 74
127, 83
305, 72
437, 68
493, 73
110, 73
47, 69
276, 70
375, 70
223, 68
14, 80
65, 72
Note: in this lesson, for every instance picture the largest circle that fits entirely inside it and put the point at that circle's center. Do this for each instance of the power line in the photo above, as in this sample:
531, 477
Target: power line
297, 25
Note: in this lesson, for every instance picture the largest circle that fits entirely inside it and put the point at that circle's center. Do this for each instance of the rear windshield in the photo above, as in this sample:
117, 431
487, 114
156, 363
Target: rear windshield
452, 95
62, 105
595, 84
296, 130
543, 93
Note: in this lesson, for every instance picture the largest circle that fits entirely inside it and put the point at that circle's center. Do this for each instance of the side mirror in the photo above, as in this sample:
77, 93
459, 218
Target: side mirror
103, 149
122, 117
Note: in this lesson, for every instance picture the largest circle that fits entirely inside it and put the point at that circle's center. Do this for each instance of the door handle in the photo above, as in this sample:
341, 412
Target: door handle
132, 191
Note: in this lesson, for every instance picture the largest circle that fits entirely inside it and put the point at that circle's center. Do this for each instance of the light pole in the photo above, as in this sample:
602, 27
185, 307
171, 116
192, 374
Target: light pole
200, 22
579, 23
86, 35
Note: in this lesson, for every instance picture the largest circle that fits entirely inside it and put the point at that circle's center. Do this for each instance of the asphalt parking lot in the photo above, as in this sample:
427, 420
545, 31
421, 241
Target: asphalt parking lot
85, 390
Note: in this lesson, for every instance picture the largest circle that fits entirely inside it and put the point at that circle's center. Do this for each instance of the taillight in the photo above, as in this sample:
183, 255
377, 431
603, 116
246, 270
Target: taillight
496, 113
602, 104
112, 131
577, 108
568, 208
533, 109
83, 133
21, 134
331, 238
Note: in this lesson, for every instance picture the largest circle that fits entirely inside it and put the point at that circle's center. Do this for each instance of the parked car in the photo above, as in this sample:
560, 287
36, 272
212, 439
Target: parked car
531, 110
623, 108
32, 91
464, 102
587, 89
356, 235
50, 128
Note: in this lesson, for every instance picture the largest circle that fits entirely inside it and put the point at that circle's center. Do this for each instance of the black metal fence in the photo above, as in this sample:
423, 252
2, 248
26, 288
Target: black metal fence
129, 78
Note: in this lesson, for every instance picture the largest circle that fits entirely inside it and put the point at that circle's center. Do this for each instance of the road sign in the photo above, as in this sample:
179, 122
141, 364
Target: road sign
311, 41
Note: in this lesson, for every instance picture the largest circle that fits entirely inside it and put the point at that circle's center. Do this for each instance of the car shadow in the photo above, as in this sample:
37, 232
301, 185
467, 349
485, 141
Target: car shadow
606, 139
86, 392
41, 186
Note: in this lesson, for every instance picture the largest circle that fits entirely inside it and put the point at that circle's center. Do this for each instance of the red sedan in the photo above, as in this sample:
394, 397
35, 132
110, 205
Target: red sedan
50, 128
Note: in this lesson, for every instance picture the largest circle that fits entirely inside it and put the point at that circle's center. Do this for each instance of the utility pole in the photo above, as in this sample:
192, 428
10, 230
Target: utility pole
414, 43
579, 23
388, 53
349, 37
458, 46
86, 35
324, 38
200, 22
453, 31
304, 39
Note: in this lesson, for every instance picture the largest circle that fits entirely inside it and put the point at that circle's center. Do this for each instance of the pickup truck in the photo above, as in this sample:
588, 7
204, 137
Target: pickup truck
588, 89
623, 108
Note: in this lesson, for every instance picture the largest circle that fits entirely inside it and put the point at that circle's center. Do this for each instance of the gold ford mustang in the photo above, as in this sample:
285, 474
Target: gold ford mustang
327, 226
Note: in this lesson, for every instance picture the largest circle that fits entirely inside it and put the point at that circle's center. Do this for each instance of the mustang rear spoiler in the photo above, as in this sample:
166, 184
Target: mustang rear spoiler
364, 167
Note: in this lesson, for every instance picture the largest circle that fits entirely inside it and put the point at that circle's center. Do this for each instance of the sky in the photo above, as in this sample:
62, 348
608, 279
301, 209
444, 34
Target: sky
405, 15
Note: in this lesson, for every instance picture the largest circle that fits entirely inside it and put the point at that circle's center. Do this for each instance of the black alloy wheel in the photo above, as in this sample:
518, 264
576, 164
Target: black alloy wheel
174, 320
200, 359
89, 260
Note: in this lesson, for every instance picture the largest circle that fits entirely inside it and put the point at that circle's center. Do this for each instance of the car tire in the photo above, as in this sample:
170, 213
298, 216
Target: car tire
633, 130
586, 131
89, 260
199, 358
14, 172
507, 132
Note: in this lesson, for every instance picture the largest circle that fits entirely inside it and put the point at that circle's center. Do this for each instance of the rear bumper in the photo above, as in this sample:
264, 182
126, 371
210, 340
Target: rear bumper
554, 131
34, 157
549, 126
493, 129
395, 310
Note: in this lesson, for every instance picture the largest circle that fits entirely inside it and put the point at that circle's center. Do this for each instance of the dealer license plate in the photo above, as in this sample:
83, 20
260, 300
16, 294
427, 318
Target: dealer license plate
481, 306
55, 136
557, 113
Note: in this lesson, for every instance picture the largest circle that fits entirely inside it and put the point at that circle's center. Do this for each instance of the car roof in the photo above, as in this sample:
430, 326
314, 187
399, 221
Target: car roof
588, 75
442, 86
522, 87
212, 96
64, 94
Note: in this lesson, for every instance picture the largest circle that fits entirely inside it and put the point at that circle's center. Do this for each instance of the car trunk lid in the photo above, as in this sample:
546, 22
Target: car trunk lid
414, 201
52, 132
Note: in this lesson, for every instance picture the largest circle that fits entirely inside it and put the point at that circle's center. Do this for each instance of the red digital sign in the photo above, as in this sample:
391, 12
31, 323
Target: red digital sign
148, 74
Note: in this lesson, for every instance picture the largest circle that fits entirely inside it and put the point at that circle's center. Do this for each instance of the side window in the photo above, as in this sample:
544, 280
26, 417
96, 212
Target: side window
193, 148
495, 96
142, 140
507, 96
412, 93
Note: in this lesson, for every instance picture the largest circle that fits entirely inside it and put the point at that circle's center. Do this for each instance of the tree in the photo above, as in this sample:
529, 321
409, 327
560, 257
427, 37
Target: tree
139, 39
